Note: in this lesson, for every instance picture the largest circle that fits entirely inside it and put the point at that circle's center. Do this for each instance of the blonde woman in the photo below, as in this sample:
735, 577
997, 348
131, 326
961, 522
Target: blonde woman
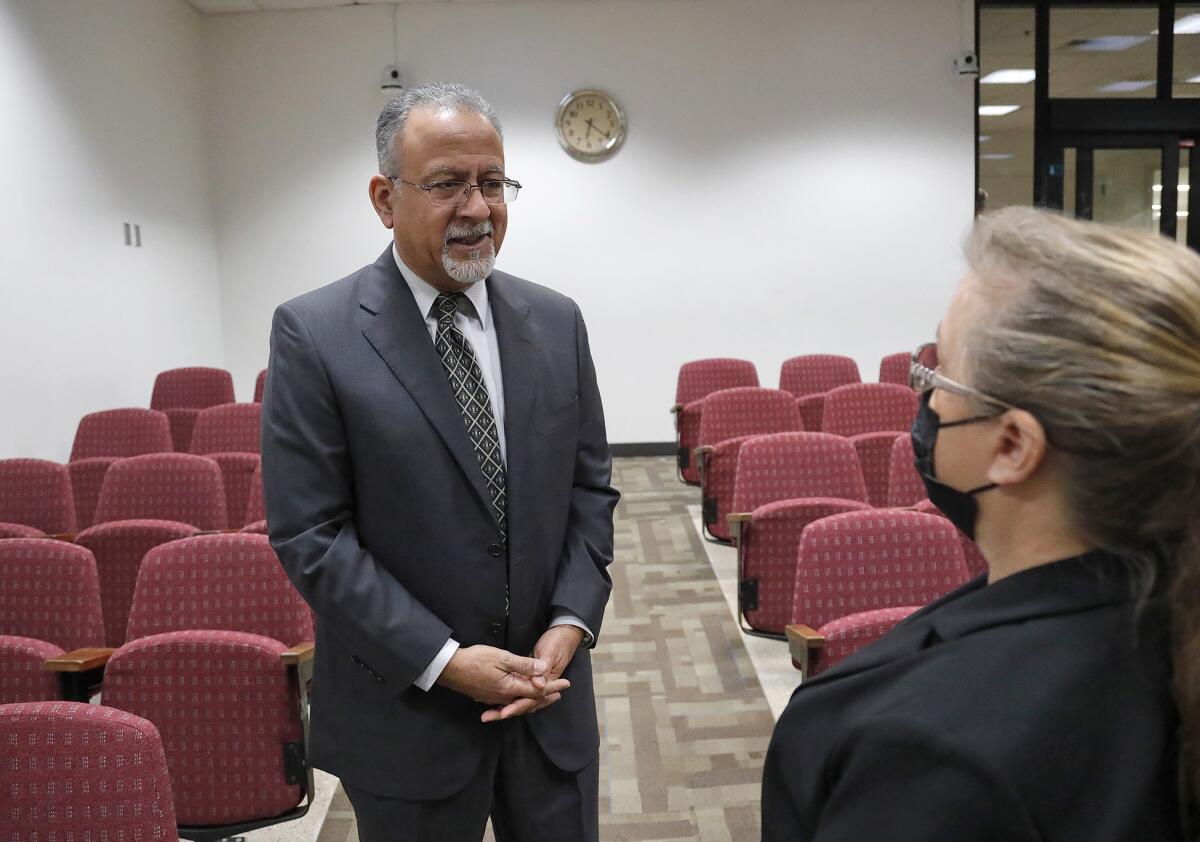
1043, 701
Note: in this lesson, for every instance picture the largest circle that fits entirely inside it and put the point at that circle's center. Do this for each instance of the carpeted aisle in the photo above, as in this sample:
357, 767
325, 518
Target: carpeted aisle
684, 724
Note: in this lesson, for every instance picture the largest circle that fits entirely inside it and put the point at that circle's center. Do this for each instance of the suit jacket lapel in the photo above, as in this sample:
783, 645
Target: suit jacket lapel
399, 335
520, 355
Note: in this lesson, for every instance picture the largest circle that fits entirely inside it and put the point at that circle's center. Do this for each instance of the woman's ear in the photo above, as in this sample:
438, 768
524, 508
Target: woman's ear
1020, 448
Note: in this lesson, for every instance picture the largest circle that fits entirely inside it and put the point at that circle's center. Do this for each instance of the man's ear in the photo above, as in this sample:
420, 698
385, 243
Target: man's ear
382, 191
1020, 448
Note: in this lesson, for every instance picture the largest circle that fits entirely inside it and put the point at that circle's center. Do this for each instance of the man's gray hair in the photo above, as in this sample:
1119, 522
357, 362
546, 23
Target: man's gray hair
436, 96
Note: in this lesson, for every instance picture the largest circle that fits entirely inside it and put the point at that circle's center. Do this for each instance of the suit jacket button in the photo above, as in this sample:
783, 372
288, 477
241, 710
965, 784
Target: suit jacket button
496, 629
496, 550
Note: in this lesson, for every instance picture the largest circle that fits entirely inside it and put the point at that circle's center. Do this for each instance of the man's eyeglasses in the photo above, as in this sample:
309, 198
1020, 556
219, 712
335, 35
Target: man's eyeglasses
922, 378
496, 191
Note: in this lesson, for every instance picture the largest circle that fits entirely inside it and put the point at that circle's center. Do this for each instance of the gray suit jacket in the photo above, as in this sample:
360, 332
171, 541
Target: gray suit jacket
381, 517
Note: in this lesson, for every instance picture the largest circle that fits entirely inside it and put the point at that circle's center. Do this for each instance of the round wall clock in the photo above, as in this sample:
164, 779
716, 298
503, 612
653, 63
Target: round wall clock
590, 125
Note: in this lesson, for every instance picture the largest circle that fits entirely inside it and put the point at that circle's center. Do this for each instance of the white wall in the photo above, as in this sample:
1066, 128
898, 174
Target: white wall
102, 125
797, 176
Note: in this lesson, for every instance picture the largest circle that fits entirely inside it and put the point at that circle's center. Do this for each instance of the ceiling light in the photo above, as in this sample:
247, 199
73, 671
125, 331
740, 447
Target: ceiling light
1183, 188
984, 138
1108, 43
1011, 76
1156, 207
1195, 80
996, 110
1189, 25
1125, 87
996, 156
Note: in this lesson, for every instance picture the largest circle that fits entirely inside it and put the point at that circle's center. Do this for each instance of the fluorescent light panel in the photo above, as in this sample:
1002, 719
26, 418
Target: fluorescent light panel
1125, 86
996, 156
1183, 188
1108, 43
997, 110
1188, 25
1009, 76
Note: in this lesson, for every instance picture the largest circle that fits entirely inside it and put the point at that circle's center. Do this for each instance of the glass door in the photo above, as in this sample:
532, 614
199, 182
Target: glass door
1141, 182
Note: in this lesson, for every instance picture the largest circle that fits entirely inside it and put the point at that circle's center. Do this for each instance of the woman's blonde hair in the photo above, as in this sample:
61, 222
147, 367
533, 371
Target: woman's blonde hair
1097, 334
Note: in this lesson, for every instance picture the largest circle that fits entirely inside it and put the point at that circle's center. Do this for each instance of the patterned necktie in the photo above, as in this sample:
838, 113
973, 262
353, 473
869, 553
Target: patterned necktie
470, 390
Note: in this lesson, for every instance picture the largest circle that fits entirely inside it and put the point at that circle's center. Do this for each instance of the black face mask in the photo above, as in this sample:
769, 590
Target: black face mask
959, 506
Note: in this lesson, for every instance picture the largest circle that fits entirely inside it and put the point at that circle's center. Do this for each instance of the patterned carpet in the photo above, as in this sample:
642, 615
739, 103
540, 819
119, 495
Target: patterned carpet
683, 721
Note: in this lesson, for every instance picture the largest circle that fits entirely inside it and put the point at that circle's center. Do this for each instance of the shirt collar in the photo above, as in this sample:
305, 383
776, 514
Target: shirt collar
426, 293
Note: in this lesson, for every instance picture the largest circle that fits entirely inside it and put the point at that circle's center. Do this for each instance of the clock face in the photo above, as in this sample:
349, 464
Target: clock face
590, 125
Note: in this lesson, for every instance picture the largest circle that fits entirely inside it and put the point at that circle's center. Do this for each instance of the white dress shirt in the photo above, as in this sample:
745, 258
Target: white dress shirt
479, 330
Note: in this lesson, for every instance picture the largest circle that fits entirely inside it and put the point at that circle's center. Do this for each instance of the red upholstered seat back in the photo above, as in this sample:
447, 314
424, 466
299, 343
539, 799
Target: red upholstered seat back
905, 487
747, 411
164, 486
225, 707
79, 771
224, 582
788, 466
122, 432
195, 387
260, 385
976, 563
894, 368
883, 558
869, 408
37, 493
23, 677
228, 428
255, 506
700, 378
49, 590
815, 373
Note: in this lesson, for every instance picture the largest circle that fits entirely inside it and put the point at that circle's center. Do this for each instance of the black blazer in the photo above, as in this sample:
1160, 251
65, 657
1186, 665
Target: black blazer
380, 515
1037, 708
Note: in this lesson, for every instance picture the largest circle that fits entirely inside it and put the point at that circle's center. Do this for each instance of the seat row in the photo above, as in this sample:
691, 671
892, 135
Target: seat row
227, 434
145, 501
180, 393
217, 653
808, 380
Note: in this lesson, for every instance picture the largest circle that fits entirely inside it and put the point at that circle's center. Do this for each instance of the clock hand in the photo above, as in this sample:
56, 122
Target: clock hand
591, 128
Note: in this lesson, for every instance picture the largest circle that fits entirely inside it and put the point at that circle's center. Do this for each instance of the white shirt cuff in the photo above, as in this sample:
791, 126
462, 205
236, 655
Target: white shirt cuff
568, 619
426, 679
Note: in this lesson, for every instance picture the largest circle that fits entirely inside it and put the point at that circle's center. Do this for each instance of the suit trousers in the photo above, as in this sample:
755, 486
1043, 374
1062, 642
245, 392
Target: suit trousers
528, 798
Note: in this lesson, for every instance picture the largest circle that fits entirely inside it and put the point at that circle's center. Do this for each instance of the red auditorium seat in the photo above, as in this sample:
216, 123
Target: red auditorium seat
146, 501
785, 482
49, 604
80, 771
728, 419
875, 459
905, 487
811, 408
215, 618
164, 486
182, 392
104, 437
35, 494
869, 408
697, 380
229, 435
260, 385
894, 368
813, 374
976, 563
256, 515
860, 573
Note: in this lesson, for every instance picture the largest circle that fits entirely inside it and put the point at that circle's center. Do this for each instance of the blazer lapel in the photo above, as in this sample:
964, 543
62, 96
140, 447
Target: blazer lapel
399, 335
520, 357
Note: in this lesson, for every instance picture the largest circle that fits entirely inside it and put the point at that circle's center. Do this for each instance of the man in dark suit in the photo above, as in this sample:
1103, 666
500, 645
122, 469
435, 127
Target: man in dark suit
437, 481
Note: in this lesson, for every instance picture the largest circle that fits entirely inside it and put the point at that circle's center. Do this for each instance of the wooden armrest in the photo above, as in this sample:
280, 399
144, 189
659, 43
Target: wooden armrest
301, 653
803, 643
79, 660
677, 408
702, 450
735, 521
69, 537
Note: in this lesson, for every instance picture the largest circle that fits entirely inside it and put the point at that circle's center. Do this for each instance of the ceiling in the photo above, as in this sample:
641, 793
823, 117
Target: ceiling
1006, 41
213, 7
